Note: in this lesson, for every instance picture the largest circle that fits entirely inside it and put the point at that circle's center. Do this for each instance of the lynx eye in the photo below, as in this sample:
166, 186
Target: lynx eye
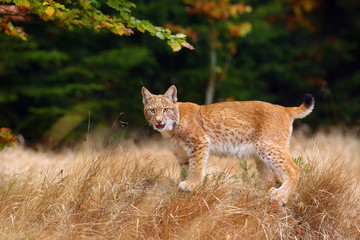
152, 110
165, 110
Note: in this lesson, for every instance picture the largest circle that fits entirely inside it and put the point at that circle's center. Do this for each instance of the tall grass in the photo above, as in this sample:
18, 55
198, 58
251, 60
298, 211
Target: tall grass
130, 192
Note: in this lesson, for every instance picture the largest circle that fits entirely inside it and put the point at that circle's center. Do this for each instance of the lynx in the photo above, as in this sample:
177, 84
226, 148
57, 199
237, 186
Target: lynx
251, 128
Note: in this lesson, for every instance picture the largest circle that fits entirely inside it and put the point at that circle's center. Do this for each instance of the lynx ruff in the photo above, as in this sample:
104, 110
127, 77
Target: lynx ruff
252, 128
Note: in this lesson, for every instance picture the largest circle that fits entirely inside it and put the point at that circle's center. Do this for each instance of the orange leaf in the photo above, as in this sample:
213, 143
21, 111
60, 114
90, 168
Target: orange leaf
187, 45
50, 11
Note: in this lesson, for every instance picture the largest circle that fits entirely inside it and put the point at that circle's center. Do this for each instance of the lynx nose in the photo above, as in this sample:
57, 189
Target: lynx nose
158, 120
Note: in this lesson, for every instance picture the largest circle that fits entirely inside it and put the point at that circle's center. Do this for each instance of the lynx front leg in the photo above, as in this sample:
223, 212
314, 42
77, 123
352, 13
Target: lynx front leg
197, 162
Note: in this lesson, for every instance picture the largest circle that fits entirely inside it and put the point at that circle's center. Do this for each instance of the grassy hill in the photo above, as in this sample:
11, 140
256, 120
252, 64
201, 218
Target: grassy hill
130, 191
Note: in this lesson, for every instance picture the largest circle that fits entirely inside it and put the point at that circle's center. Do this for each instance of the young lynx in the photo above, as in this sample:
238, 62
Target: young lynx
258, 129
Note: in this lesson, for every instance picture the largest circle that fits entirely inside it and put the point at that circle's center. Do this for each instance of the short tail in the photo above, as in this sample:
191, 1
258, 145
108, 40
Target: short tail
304, 109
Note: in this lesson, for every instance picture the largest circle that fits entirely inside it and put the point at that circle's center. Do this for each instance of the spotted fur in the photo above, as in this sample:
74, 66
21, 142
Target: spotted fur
252, 128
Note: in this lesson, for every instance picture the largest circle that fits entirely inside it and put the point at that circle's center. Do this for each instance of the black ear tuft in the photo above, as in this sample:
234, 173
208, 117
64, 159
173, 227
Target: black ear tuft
309, 99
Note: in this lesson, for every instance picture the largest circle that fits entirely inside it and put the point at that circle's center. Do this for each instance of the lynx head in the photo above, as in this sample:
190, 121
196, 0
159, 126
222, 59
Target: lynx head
161, 111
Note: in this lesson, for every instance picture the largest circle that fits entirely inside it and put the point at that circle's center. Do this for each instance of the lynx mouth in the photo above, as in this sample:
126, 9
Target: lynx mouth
160, 126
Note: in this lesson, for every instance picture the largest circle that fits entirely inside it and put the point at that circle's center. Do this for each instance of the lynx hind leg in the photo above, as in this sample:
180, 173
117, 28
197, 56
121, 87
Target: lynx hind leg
183, 161
181, 157
269, 178
280, 162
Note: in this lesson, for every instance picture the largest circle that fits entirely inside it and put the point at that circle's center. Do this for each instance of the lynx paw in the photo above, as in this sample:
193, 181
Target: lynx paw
187, 186
276, 195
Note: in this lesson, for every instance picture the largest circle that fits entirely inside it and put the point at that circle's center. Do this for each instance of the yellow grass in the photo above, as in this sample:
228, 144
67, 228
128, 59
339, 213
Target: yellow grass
130, 191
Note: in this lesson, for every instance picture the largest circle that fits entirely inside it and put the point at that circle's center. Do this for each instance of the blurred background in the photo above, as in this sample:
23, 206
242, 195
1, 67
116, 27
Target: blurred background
60, 84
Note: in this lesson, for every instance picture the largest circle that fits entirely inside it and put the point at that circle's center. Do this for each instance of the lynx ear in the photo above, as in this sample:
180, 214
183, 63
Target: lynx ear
147, 96
171, 94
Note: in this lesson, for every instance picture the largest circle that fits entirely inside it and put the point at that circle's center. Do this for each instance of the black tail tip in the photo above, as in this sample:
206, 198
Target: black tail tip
309, 99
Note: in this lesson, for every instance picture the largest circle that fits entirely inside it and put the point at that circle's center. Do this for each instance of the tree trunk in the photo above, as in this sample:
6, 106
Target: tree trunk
210, 89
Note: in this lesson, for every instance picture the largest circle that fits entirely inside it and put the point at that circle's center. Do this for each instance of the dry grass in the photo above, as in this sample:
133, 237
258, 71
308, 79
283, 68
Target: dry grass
130, 192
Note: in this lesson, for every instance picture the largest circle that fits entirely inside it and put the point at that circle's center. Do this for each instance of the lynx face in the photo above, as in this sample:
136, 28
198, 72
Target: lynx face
161, 111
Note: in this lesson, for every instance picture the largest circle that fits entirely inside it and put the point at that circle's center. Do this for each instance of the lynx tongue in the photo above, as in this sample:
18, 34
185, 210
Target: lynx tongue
160, 126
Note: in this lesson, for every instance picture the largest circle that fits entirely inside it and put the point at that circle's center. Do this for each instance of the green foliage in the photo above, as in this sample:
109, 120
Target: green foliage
86, 14
183, 173
248, 175
49, 86
305, 167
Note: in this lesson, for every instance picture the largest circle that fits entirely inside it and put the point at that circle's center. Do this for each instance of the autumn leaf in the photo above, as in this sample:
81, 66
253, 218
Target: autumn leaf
50, 11
22, 3
174, 45
6, 138
141, 27
240, 30
187, 45
59, 14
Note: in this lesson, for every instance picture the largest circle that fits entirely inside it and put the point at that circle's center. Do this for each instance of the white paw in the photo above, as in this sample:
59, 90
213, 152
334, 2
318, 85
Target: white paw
187, 186
275, 194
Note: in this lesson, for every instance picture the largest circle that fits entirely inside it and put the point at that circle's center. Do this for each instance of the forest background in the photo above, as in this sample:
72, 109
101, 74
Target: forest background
61, 83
